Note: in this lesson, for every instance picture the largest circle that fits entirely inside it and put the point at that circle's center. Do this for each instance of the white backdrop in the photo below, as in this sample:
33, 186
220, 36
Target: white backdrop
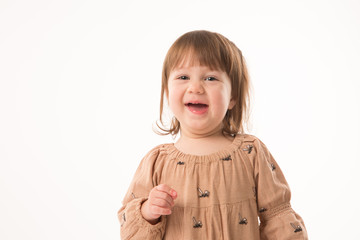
79, 93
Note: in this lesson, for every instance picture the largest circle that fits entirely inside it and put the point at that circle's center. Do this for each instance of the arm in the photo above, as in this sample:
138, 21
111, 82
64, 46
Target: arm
278, 219
133, 224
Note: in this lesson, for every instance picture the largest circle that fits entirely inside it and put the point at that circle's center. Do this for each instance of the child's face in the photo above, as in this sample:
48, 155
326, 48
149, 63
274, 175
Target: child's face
199, 98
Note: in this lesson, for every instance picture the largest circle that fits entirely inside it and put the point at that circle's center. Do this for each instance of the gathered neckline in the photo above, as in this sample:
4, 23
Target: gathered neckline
222, 154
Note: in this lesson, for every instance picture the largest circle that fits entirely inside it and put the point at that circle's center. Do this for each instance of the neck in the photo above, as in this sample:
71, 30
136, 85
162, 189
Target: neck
202, 144
185, 135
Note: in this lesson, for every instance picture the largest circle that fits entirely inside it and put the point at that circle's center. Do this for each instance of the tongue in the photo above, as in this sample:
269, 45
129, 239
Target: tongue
197, 107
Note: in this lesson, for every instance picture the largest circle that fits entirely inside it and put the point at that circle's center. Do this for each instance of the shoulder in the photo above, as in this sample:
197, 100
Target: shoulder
252, 143
248, 138
159, 149
155, 153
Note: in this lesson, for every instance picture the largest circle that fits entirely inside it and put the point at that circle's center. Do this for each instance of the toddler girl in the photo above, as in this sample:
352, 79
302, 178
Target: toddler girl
215, 182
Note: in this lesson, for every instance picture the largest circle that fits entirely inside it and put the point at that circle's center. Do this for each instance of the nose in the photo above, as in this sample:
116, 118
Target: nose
196, 87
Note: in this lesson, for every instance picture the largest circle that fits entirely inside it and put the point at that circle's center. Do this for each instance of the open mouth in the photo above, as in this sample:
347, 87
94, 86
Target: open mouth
197, 108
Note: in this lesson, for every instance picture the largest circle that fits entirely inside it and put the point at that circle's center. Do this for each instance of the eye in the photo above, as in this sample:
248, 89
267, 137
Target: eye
183, 78
211, 79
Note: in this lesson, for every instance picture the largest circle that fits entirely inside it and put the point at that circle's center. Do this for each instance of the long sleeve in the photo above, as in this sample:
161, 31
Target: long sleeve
132, 224
278, 219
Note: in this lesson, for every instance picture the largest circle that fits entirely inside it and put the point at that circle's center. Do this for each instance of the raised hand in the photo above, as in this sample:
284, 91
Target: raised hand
160, 201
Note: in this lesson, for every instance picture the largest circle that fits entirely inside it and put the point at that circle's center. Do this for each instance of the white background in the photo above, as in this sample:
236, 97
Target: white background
80, 90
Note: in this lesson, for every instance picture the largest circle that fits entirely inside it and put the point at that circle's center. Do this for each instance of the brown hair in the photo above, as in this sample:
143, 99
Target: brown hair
217, 52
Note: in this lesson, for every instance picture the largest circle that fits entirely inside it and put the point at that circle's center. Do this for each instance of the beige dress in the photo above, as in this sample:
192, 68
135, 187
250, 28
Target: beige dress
236, 193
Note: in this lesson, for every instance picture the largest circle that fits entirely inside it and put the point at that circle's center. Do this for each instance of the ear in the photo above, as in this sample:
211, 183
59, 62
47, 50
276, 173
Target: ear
231, 104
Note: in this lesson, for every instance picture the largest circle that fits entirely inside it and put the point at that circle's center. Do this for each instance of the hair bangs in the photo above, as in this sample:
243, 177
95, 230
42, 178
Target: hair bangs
196, 49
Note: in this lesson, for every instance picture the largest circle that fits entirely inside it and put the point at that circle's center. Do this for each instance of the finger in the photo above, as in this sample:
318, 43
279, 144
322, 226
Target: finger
173, 193
156, 210
161, 203
167, 189
162, 195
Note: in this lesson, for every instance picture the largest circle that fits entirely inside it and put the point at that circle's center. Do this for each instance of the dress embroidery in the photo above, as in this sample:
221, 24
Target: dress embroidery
228, 158
273, 167
197, 224
206, 193
124, 219
249, 148
297, 228
242, 220
262, 209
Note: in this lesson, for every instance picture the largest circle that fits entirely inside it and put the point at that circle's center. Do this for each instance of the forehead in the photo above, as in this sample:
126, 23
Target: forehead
185, 56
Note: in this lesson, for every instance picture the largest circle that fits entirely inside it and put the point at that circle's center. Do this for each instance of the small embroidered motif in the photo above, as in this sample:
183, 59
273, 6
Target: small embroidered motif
262, 209
249, 148
297, 228
133, 195
206, 193
228, 158
273, 167
197, 224
124, 220
180, 163
242, 220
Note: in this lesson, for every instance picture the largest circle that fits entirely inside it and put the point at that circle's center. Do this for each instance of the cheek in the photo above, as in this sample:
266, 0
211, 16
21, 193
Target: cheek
174, 98
221, 100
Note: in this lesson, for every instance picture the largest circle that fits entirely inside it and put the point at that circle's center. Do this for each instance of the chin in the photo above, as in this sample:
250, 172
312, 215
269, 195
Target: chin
200, 129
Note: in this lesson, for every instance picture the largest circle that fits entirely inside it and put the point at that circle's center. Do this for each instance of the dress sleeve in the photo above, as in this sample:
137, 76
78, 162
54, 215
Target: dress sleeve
277, 219
132, 224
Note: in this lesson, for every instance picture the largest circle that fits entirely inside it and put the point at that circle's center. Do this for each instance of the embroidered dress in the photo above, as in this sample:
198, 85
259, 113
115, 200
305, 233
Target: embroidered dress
220, 196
